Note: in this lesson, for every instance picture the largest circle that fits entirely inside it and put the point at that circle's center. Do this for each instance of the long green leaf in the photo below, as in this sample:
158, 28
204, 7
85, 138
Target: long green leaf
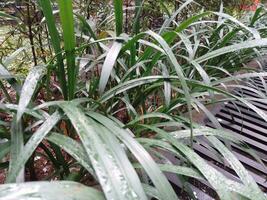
149, 116
67, 21
138, 10
55, 38
205, 131
185, 171
16, 147
167, 84
108, 65
49, 191
28, 89
11, 58
118, 9
232, 48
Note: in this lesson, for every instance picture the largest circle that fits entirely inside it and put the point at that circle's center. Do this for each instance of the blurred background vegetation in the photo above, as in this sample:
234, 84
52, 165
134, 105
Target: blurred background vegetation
13, 35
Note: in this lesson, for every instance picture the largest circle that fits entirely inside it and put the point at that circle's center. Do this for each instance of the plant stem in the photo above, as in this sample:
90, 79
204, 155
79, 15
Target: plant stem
30, 33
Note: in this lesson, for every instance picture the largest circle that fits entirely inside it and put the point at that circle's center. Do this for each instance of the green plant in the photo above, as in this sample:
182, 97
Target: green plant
231, 4
113, 124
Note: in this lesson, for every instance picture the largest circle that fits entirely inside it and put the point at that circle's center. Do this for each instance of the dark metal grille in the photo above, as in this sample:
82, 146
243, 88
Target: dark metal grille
249, 127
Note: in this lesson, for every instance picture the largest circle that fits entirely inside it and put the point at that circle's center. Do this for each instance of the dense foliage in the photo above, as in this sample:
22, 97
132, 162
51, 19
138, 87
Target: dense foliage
214, 4
105, 96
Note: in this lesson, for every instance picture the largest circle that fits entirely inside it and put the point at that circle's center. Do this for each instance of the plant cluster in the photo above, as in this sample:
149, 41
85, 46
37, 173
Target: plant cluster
103, 107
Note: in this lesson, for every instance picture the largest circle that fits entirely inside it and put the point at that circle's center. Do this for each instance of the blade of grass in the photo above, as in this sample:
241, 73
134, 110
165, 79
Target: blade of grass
167, 84
118, 9
138, 10
16, 147
28, 89
185, 171
257, 15
11, 58
55, 38
232, 48
49, 191
136, 29
108, 65
67, 21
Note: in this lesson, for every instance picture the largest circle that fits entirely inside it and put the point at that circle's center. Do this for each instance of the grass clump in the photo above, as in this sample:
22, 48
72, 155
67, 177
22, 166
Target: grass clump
137, 95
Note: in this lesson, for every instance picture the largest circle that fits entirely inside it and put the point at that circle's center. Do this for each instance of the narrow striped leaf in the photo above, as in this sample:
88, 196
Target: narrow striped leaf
55, 38
88, 28
232, 48
28, 89
108, 65
167, 84
138, 10
16, 147
12, 57
118, 9
67, 21
185, 171
49, 191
